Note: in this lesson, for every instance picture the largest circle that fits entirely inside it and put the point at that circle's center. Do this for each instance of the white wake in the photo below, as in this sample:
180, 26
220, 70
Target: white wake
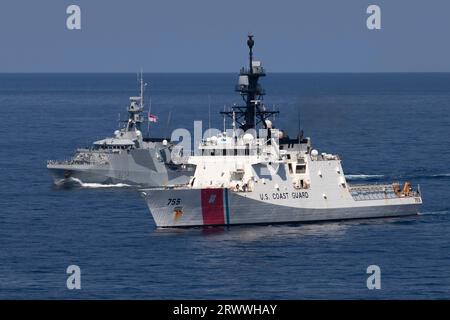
363, 176
91, 185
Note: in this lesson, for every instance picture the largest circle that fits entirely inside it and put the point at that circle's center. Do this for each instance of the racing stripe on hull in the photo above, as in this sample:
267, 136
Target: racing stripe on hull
227, 206
212, 206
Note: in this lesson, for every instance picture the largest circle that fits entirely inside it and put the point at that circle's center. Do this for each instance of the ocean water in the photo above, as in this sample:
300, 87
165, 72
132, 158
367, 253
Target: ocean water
386, 127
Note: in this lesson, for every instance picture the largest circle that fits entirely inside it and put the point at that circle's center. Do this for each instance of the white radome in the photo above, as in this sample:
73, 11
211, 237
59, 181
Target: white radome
248, 138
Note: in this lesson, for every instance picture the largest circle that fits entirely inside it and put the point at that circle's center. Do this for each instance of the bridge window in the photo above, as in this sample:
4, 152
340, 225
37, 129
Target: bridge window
301, 168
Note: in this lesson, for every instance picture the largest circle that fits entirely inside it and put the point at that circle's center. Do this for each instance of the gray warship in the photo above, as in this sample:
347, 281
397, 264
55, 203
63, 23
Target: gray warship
127, 158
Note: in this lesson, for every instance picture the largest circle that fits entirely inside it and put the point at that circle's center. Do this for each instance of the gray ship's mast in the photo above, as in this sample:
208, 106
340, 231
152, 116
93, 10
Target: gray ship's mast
142, 91
136, 107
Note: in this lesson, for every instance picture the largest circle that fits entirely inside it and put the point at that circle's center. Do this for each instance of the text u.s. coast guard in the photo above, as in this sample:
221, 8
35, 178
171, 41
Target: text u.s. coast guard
284, 195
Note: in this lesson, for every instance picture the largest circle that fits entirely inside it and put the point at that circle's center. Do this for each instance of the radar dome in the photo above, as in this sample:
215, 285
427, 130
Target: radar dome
248, 138
314, 153
268, 124
164, 142
116, 133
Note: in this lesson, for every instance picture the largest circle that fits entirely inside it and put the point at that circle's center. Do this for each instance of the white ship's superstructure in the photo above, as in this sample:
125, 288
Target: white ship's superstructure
247, 177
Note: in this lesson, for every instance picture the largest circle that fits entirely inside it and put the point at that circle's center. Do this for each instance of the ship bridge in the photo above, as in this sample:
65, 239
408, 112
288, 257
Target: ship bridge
114, 143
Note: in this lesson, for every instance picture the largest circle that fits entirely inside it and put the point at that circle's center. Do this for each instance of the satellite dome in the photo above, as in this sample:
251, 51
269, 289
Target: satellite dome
248, 138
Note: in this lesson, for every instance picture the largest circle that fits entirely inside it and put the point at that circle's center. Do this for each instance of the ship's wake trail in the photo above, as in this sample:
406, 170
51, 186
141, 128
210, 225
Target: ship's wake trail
439, 212
363, 176
406, 176
427, 176
75, 182
441, 175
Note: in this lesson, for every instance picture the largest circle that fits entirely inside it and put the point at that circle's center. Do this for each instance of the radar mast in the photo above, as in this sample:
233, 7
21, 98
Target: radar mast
248, 116
136, 107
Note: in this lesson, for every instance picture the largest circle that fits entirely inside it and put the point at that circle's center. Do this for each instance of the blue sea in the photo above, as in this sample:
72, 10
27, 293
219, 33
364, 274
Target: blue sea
385, 127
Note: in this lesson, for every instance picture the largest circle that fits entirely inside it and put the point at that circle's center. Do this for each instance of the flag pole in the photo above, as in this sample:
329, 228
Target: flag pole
149, 115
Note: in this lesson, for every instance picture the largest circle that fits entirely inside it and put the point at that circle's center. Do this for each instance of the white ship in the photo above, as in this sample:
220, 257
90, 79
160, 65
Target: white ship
248, 177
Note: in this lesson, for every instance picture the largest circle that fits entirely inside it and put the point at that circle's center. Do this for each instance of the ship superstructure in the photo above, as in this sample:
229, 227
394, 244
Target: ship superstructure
125, 158
255, 174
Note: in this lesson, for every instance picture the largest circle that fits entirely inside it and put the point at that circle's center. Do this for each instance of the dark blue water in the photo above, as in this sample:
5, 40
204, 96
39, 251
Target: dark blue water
385, 126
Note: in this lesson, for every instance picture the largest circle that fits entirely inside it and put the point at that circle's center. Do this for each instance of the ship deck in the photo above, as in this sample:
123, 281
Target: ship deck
361, 192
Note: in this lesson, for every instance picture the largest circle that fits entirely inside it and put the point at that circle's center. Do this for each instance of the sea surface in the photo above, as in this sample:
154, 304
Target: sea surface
386, 127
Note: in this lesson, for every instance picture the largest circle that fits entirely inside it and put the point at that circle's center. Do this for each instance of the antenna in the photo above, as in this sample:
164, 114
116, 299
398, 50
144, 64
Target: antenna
234, 124
224, 119
253, 105
209, 112
300, 131
148, 116
250, 44
169, 116
142, 84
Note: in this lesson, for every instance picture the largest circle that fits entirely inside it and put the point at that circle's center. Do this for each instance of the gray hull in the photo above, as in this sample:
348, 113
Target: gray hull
137, 168
201, 207
88, 175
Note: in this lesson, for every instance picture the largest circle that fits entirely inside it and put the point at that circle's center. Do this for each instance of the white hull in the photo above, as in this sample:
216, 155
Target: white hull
264, 177
202, 207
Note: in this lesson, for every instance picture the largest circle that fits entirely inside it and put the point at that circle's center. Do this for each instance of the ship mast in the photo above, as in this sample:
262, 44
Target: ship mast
135, 108
141, 104
253, 112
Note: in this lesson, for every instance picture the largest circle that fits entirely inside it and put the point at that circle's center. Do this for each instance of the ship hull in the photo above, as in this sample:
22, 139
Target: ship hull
205, 207
136, 168
73, 175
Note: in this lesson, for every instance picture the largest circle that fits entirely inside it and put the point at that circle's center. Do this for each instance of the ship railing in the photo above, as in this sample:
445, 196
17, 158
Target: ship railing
101, 151
75, 162
379, 192
255, 70
326, 157
246, 89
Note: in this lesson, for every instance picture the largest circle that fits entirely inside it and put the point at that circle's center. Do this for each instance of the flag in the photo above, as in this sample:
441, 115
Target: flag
152, 117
